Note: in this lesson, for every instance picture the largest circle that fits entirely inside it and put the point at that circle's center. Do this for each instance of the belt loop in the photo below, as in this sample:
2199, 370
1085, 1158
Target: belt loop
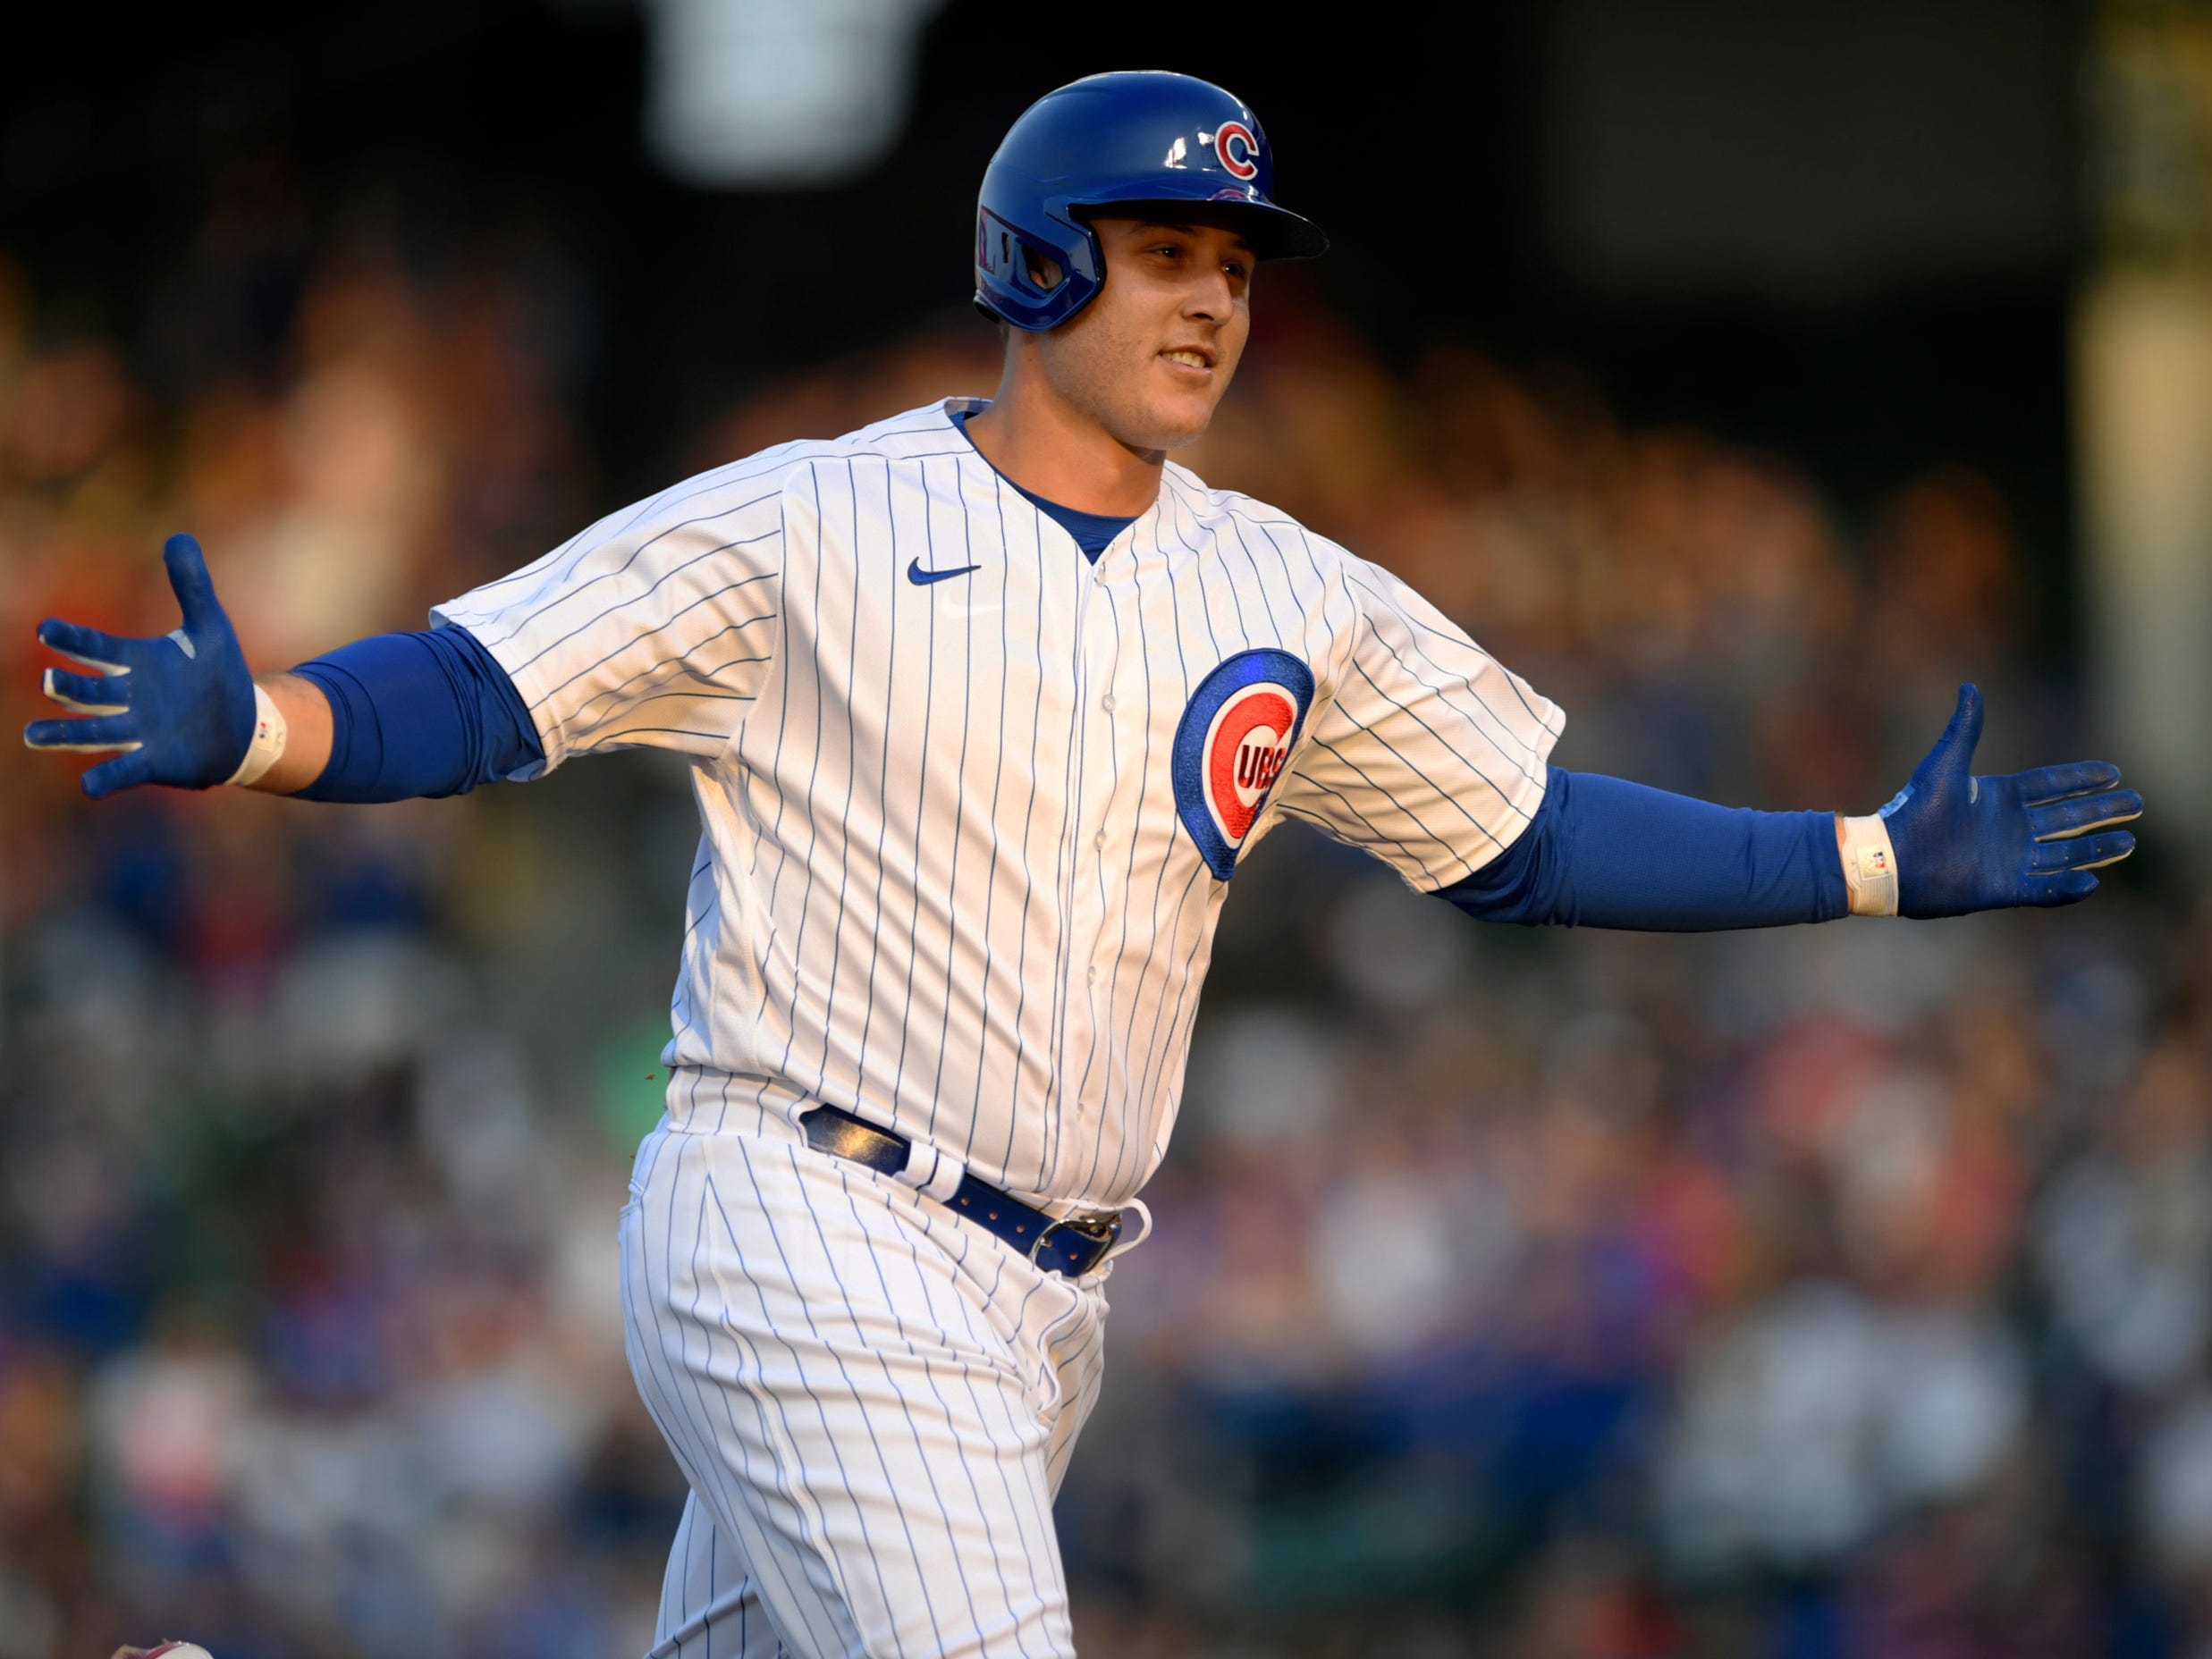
933, 1172
1126, 1243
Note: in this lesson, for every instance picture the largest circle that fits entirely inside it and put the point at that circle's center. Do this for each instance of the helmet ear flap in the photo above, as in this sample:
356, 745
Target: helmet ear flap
1028, 279
1008, 256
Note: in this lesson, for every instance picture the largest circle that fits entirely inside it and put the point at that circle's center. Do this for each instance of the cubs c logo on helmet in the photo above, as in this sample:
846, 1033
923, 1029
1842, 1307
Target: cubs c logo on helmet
1231, 744
1233, 142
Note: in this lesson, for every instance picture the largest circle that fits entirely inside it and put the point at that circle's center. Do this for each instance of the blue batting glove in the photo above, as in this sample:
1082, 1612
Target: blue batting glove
180, 708
1965, 843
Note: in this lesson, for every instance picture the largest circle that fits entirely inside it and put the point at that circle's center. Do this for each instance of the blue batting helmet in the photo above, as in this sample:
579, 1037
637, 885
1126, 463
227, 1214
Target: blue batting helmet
1138, 139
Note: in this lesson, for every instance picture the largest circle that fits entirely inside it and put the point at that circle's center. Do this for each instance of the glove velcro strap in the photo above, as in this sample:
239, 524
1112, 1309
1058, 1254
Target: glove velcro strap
267, 746
1870, 866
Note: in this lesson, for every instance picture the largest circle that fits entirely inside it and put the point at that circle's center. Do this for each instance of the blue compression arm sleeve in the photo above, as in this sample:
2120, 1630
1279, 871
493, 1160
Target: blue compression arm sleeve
1605, 853
413, 714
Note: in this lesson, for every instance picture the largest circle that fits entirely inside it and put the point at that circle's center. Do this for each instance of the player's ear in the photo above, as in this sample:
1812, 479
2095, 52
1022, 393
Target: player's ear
1043, 270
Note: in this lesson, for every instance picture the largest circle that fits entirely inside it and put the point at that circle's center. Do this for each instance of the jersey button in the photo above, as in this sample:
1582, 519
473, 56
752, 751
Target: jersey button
1099, 839
1107, 702
1090, 976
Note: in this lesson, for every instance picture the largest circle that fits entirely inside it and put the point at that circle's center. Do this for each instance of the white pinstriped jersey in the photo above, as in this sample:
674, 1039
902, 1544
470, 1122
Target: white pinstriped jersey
967, 798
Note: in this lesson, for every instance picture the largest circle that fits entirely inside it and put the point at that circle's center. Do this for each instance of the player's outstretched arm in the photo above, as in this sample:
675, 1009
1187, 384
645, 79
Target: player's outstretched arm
1604, 851
184, 709
1964, 843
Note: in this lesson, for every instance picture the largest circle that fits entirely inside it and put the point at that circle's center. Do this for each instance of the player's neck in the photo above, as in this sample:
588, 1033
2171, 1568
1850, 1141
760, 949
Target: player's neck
1053, 450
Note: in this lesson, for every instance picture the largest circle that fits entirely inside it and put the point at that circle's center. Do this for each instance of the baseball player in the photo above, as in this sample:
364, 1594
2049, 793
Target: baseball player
983, 704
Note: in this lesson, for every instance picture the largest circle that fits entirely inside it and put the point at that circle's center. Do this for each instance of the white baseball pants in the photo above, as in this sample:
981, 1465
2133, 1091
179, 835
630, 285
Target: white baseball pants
872, 1399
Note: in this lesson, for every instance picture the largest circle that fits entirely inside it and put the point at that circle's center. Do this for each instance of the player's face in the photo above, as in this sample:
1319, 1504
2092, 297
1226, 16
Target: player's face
1151, 355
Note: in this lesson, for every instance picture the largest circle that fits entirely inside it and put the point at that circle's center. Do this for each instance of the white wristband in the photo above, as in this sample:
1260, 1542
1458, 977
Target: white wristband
1870, 866
269, 732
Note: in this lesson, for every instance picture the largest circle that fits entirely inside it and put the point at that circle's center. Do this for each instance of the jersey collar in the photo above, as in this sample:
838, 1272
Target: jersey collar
957, 405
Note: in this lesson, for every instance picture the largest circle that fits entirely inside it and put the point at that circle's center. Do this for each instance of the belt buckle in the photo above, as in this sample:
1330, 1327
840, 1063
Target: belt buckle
1100, 1229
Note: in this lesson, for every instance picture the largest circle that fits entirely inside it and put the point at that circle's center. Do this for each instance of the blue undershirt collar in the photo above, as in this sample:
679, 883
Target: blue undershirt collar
1092, 531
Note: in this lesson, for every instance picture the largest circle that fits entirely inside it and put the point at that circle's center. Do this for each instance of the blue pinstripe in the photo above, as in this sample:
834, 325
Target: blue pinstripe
959, 809
929, 711
883, 829
1028, 887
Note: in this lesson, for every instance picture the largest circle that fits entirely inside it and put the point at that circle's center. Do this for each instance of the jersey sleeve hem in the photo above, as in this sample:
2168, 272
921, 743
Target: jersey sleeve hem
1523, 801
533, 691
1526, 798
1476, 847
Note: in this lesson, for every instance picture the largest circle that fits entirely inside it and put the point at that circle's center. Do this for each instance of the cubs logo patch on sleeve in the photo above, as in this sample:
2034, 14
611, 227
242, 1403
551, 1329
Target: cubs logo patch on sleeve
1232, 743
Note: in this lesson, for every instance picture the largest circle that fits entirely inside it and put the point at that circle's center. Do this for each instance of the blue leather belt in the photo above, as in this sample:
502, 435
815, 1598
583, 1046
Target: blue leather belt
1072, 1245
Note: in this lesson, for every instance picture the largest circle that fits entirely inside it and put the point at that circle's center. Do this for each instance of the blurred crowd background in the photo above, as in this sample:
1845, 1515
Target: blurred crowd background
1804, 1295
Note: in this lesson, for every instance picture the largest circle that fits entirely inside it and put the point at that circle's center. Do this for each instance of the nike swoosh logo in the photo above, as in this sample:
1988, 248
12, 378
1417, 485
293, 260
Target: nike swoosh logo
922, 578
